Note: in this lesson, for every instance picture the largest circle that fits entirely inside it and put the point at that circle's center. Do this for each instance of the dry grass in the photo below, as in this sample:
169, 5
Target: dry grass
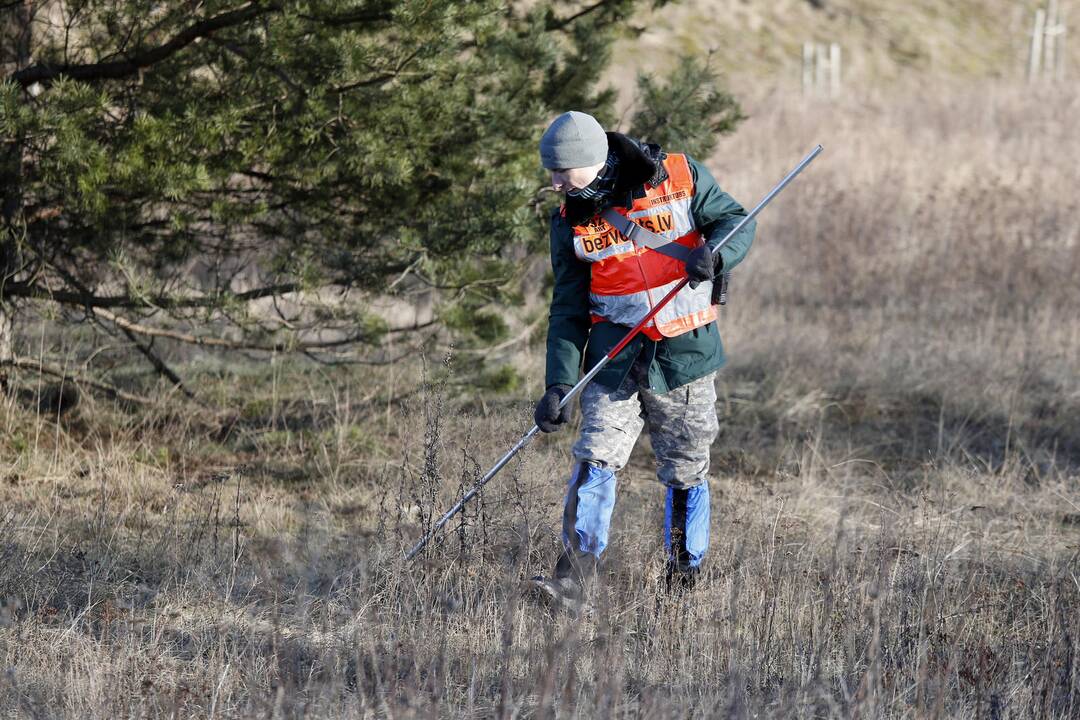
879, 40
897, 486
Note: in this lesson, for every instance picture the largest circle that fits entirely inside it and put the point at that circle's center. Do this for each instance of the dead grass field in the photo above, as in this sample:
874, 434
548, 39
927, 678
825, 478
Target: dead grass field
879, 40
896, 529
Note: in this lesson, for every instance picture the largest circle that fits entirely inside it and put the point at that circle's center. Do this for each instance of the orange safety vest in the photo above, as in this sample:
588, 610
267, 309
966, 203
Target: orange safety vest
628, 278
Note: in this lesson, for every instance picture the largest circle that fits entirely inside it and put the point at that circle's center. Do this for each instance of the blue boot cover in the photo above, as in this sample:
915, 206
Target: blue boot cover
590, 498
686, 525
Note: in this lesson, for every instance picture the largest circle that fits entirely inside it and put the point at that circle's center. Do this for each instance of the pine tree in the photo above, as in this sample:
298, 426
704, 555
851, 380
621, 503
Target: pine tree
167, 167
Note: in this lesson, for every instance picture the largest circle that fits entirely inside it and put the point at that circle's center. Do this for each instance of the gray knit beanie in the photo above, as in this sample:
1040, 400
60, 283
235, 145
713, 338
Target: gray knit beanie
573, 140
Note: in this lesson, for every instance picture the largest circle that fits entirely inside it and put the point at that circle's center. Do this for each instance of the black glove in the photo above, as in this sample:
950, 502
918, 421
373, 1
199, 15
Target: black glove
547, 414
699, 265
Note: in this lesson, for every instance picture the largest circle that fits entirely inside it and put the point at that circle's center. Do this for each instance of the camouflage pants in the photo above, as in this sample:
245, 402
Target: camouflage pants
682, 426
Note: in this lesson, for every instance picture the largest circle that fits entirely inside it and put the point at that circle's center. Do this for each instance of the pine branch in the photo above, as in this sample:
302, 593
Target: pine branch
562, 23
244, 54
350, 18
385, 77
45, 73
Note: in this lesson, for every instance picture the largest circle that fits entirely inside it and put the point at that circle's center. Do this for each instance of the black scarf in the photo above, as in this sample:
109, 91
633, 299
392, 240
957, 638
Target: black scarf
636, 163
603, 185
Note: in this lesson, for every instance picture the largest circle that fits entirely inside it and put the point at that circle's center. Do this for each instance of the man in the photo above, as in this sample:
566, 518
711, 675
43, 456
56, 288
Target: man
605, 283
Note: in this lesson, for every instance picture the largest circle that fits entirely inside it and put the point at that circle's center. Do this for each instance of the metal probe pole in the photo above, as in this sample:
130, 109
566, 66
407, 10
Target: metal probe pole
573, 392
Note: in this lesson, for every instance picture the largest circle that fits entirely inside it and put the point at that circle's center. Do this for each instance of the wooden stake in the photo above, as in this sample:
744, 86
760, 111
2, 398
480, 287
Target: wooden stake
807, 68
821, 67
834, 69
1050, 40
1037, 32
1059, 69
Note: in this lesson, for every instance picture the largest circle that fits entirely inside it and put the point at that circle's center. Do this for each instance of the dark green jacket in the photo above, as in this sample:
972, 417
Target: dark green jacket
571, 333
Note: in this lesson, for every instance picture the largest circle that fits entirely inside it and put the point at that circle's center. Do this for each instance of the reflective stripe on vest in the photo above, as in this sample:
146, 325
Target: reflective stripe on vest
628, 279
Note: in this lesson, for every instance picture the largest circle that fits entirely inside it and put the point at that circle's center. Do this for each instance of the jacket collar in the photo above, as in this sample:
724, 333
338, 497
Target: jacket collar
639, 163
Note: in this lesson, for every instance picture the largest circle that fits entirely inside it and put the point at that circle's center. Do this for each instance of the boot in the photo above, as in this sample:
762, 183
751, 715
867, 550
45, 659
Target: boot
566, 590
680, 578
686, 535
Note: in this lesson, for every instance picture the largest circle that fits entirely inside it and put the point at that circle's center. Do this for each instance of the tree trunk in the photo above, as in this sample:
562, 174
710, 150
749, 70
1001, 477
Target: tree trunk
7, 337
15, 43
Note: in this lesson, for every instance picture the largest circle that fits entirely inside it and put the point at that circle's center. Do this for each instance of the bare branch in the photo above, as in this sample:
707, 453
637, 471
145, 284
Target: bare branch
520, 339
347, 358
412, 328
147, 350
127, 301
110, 390
205, 341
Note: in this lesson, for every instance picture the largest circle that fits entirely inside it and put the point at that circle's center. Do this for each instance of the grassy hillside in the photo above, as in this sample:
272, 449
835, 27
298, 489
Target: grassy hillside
757, 41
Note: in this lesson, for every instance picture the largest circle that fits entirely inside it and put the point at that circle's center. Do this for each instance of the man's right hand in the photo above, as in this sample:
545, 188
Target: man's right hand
547, 415
699, 265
